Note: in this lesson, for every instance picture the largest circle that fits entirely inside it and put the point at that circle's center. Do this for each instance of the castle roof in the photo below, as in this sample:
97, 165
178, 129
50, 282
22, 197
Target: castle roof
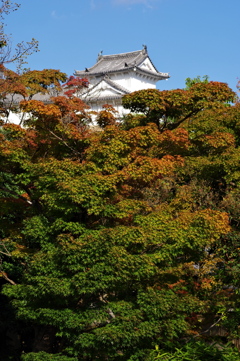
104, 90
107, 64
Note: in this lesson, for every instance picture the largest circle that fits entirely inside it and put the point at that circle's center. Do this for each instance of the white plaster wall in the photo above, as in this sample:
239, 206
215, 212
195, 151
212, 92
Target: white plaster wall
123, 80
133, 81
15, 118
93, 81
138, 83
147, 65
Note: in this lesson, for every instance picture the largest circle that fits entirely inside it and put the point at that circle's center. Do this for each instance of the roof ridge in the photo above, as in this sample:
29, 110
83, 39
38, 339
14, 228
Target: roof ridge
122, 54
118, 86
111, 83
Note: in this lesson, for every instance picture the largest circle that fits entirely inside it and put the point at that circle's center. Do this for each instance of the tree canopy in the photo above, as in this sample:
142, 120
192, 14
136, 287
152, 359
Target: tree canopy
121, 243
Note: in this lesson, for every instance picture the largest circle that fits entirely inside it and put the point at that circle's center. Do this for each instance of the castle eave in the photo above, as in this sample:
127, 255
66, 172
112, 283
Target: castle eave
104, 99
157, 76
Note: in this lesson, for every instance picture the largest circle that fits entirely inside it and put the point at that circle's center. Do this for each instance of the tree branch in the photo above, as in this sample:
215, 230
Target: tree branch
172, 126
4, 275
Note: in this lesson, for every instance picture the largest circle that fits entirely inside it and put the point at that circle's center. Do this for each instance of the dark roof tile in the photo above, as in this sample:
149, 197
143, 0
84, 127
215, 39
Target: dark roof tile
119, 62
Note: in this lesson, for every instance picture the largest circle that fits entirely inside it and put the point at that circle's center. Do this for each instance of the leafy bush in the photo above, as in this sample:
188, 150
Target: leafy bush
197, 351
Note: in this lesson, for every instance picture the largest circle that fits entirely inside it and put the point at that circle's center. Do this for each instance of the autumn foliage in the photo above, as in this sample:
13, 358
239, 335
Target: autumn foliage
123, 243
178, 105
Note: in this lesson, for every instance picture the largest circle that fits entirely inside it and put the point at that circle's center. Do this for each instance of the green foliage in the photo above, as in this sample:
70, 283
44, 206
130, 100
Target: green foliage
43, 356
118, 240
171, 108
191, 81
198, 351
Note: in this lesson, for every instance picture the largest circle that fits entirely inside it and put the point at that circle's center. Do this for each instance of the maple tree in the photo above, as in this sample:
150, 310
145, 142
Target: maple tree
15, 87
74, 86
107, 116
24, 83
122, 244
171, 108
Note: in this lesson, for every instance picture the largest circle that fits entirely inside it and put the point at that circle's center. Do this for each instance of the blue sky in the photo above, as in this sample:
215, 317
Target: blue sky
184, 37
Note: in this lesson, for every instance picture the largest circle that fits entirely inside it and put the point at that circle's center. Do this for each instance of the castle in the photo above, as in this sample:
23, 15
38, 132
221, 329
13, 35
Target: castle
109, 79
116, 75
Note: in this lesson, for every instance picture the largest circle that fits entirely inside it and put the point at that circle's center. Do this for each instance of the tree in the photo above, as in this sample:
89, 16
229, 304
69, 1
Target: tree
119, 240
171, 108
191, 81
15, 88
74, 86
22, 50
107, 116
